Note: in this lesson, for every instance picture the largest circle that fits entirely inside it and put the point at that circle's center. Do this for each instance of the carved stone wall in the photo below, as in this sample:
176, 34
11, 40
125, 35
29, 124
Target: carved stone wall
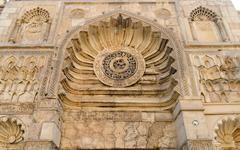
109, 74
106, 130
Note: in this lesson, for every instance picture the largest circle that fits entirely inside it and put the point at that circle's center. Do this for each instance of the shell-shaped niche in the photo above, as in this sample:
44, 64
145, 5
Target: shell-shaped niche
228, 133
11, 132
39, 14
119, 56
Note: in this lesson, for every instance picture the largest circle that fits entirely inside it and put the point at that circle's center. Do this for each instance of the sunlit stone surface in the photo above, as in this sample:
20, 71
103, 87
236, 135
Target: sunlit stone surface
119, 74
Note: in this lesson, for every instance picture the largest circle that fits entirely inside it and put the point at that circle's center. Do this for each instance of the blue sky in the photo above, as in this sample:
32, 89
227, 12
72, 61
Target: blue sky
236, 4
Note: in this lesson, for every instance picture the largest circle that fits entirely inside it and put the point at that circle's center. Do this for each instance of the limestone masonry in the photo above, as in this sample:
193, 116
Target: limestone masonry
119, 74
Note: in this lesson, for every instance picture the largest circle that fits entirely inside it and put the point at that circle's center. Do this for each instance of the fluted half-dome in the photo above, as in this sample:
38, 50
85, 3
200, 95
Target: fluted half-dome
119, 62
228, 133
11, 132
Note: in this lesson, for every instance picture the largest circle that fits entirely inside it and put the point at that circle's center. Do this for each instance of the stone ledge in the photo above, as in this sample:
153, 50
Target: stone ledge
188, 105
16, 108
212, 45
221, 109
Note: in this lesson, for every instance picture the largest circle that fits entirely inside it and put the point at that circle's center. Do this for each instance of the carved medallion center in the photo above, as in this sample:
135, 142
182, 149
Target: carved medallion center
119, 65
119, 68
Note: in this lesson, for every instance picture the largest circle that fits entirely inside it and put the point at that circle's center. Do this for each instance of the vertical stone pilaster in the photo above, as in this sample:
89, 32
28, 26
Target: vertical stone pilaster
191, 124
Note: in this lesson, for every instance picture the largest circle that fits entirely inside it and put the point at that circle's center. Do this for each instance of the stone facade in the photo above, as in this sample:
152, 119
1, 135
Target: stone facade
119, 74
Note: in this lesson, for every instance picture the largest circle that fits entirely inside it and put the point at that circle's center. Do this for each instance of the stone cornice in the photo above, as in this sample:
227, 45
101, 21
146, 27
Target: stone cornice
116, 2
218, 45
26, 46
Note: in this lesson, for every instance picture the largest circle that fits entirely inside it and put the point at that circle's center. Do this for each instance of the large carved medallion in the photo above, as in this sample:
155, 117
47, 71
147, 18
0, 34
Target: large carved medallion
119, 61
119, 68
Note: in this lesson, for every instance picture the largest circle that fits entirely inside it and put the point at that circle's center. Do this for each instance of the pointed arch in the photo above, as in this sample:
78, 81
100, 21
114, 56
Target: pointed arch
33, 26
72, 42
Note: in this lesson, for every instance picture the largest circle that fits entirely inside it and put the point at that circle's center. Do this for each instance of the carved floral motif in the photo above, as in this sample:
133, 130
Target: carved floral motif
219, 78
19, 78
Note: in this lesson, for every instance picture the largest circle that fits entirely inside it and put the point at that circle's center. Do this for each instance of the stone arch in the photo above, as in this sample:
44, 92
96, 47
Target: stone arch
177, 53
207, 20
33, 26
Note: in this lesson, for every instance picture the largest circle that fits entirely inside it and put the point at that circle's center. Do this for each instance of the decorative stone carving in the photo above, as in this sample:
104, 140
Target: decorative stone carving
20, 78
198, 144
204, 18
219, 78
228, 134
200, 12
163, 13
11, 132
19, 108
119, 68
34, 26
77, 13
111, 134
123, 54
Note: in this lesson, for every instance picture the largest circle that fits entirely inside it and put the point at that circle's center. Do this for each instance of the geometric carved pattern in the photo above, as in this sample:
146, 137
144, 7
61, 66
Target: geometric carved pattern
119, 68
123, 54
38, 14
19, 78
11, 132
200, 11
228, 134
219, 78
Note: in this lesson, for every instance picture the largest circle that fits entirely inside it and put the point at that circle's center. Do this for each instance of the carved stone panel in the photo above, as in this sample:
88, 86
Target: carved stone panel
218, 77
32, 27
20, 77
106, 132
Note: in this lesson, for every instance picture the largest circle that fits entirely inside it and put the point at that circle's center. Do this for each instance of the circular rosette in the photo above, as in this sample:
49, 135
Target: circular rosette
119, 68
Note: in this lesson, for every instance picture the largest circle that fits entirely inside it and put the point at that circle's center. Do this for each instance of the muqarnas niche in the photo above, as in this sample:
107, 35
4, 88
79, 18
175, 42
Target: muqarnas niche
33, 27
20, 78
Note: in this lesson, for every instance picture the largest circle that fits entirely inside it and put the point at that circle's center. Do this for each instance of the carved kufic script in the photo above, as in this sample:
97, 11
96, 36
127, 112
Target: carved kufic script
119, 56
96, 115
119, 65
119, 68
19, 108
219, 78
20, 78
34, 26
